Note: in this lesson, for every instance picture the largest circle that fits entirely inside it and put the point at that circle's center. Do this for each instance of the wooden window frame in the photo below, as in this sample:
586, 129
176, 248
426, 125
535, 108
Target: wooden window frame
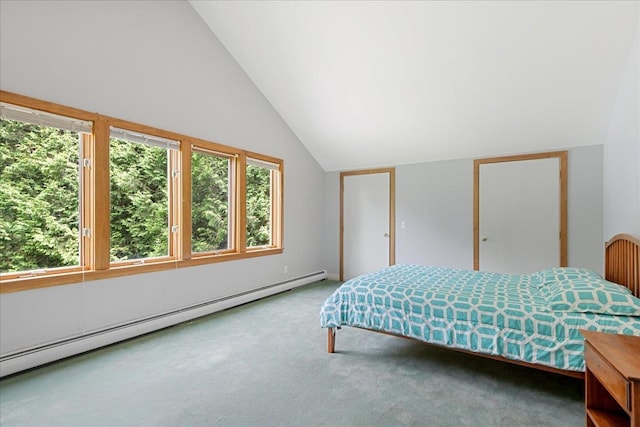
173, 194
205, 147
84, 143
95, 212
277, 202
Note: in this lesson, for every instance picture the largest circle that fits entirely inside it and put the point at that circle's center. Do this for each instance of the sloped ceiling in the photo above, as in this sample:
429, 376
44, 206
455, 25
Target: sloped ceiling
374, 83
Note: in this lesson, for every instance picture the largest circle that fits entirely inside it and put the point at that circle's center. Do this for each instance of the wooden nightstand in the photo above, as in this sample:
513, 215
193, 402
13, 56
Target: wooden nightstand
612, 379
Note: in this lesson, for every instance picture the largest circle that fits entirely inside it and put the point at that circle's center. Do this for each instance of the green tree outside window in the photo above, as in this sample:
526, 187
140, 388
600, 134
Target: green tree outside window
39, 197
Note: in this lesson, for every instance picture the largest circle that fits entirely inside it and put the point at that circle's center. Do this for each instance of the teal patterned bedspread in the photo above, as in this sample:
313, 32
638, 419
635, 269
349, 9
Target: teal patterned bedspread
491, 313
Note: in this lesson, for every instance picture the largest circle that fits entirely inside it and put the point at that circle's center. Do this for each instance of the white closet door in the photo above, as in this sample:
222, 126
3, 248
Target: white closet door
366, 232
519, 219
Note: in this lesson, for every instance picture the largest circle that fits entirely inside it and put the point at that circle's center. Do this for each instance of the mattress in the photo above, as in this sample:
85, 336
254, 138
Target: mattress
518, 317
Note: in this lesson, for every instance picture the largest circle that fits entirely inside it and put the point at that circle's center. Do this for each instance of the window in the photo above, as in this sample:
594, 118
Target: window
40, 186
262, 197
211, 203
85, 196
141, 169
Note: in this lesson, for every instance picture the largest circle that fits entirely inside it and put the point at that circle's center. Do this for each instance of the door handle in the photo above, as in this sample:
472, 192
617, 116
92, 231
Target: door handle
385, 235
484, 239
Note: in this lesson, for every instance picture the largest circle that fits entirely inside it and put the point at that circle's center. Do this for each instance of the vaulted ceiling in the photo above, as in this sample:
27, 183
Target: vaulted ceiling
380, 83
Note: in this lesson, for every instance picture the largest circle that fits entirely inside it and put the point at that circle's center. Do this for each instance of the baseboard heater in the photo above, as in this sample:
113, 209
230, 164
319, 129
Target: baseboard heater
50, 352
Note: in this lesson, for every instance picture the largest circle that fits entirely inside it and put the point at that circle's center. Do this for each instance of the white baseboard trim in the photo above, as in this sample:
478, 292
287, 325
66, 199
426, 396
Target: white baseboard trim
36, 356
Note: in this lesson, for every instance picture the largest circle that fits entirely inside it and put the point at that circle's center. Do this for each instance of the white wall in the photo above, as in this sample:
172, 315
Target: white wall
331, 236
585, 208
435, 200
154, 63
622, 152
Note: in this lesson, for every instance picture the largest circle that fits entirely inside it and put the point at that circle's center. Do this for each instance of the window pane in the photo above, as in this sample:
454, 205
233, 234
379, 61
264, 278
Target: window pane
258, 206
39, 197
209, 202
139, 200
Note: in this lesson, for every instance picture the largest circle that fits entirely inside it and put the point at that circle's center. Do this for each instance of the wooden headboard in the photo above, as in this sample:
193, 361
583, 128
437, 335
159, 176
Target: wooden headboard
622, 262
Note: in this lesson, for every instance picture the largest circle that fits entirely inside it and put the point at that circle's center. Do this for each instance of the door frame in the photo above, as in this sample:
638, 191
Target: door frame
392, 212
562, 157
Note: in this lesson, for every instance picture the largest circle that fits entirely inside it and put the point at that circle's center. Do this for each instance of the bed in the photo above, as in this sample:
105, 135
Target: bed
532, 320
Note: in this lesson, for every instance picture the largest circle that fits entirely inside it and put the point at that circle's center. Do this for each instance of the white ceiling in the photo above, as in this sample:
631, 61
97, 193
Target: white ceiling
376, 83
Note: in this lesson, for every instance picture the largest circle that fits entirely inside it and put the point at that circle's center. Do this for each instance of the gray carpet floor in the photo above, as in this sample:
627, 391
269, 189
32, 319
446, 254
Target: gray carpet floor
265, 364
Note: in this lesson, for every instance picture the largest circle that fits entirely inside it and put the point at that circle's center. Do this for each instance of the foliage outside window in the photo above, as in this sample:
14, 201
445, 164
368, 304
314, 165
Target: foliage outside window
139, 173
85, 196
259, 202
210, 201
39, 197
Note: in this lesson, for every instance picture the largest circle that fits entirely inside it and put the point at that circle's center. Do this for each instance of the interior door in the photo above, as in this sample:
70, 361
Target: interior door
520, 227
367, 217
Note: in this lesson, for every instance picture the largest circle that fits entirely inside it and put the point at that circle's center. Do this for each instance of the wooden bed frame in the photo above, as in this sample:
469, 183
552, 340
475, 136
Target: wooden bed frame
621, 265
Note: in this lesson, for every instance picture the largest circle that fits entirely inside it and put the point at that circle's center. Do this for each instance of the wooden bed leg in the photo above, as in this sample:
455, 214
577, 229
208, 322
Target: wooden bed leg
331, 340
